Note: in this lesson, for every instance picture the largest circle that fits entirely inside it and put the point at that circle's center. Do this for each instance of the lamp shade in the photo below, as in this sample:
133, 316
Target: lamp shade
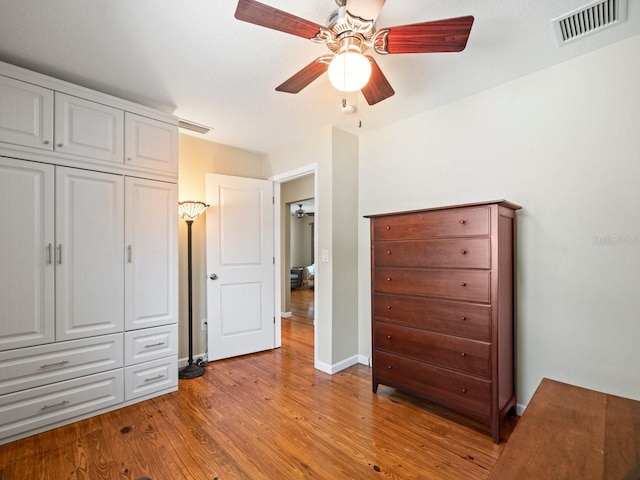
349, 71
191, 210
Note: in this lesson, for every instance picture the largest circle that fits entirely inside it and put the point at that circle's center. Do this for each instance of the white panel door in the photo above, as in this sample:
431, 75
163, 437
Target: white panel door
89, 129
150, 143
89, 253
151, 242
26, 249
26, 114
240, 254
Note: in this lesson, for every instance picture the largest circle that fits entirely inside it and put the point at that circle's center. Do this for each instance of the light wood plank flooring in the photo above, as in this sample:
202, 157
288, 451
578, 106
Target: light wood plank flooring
269, 416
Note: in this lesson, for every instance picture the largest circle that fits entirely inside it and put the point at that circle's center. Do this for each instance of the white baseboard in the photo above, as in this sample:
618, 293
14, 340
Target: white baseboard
520, 409
337, 367
364, 360
286, 314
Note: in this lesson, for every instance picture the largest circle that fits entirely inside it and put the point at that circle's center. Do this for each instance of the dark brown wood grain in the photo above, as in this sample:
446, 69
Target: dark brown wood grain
304, 77
450, 35
472, 253
378, 87
260, 14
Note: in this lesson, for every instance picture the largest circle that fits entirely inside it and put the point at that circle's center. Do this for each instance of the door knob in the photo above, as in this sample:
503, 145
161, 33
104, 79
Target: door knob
213, 276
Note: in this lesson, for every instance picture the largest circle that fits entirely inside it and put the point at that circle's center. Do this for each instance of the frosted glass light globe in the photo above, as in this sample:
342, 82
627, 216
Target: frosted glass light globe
349, 71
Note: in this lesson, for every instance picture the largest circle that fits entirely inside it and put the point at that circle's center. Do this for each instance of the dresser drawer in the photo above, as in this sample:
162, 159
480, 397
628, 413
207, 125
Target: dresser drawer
150, 344
437, 253
461, 392
462, 222
38, 407
469, 285
45, 364
454, 353
439, 316
150, 377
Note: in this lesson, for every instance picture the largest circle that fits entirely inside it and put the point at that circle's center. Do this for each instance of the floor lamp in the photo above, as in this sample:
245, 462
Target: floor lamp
190, 211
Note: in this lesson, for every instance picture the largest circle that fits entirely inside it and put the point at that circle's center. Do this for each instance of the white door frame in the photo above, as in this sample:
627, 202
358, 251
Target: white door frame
278, 180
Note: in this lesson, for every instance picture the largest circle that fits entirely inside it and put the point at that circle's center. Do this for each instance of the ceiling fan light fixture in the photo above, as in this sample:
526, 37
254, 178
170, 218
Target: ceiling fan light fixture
349, 71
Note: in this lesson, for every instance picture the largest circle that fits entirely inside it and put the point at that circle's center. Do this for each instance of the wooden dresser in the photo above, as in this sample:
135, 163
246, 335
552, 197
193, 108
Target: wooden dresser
443, 306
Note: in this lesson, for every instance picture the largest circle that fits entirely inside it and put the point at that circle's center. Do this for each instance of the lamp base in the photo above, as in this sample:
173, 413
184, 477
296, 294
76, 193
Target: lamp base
191, 371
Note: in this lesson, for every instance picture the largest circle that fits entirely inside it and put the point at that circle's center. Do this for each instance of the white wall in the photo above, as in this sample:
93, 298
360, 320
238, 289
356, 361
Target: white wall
565, 144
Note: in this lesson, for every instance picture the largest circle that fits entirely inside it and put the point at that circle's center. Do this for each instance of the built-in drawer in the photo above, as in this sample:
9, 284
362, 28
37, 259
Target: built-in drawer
468, 285
467, 356
460, 222
463, 393
150, 377
441, 316
150, 344
39, 407
436, 253
36, 366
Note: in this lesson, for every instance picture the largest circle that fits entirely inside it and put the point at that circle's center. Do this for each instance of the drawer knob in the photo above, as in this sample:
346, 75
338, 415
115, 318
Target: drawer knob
388, 279
390, 367
463, 354
463, 252
388, 228
388, 252
463, 284
388, 307
60, 145
463, 318
389, 337
464, 390
46, 142
463, 222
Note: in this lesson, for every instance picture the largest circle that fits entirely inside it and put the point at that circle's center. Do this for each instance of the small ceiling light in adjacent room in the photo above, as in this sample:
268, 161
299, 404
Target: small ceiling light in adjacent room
349, 71
300, 213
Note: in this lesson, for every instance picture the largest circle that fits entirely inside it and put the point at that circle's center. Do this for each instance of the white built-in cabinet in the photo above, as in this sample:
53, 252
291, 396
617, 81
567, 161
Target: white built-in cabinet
88, 248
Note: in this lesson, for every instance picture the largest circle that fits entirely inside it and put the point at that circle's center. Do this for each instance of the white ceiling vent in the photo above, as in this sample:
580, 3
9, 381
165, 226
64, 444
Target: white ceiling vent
589, 19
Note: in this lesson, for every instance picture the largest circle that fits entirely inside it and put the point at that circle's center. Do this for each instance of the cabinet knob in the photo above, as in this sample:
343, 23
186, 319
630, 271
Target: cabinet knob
129, 159
463, 222
463, 354
463, 318
46, 142
388, 228
388, 279
463, 284
464, 390
388, 252
388, 307
60, 145
389, 337
463, 252
390, 367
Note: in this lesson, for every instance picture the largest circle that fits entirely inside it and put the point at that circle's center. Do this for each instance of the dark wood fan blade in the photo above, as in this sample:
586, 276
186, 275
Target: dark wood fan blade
365, 9
448, 35
378, 88
305, 76
260, 14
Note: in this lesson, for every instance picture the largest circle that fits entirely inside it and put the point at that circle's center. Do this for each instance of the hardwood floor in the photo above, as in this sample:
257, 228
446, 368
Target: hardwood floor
269, 416
302, 306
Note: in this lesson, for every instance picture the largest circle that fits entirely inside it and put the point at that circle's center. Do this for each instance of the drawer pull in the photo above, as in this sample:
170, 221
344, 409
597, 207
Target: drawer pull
390, 367
388, 279
49, 261
463, 318
157, 377
463, 354
57, 405
463, 222
151, 345
388, 228
463, 284
46, 142
464, 390
59, 364
60, 145
463, 252
389, 337
388, 252
388, 307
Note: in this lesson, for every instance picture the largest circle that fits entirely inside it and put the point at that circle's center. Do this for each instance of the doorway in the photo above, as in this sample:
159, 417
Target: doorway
290, 190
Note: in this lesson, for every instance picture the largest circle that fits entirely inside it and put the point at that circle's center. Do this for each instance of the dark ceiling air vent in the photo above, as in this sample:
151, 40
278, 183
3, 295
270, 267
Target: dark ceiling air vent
589, 19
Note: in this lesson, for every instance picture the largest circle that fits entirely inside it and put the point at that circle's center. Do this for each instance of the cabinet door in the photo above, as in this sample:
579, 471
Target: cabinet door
151, 239
151, 144
89, 129
26, 243
89, 253
26, 114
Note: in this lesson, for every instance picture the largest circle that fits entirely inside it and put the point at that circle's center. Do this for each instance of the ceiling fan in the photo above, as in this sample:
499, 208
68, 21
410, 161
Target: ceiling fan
350, 32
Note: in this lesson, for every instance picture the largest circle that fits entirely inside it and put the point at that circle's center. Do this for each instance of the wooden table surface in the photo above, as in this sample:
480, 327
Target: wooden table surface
569, 432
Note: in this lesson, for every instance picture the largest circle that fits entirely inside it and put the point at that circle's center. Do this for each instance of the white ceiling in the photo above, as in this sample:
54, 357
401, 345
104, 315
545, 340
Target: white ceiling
192, 58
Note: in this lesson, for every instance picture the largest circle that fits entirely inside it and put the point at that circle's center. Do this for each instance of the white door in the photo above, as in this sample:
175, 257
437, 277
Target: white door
26, 253
151, 268
89, 253
240, 296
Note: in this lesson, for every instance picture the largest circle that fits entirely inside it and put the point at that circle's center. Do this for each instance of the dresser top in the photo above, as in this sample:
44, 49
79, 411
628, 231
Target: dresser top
502, 203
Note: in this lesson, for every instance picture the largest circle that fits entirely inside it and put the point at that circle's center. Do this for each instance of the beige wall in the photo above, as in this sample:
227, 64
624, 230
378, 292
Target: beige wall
198, 157
564, 143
